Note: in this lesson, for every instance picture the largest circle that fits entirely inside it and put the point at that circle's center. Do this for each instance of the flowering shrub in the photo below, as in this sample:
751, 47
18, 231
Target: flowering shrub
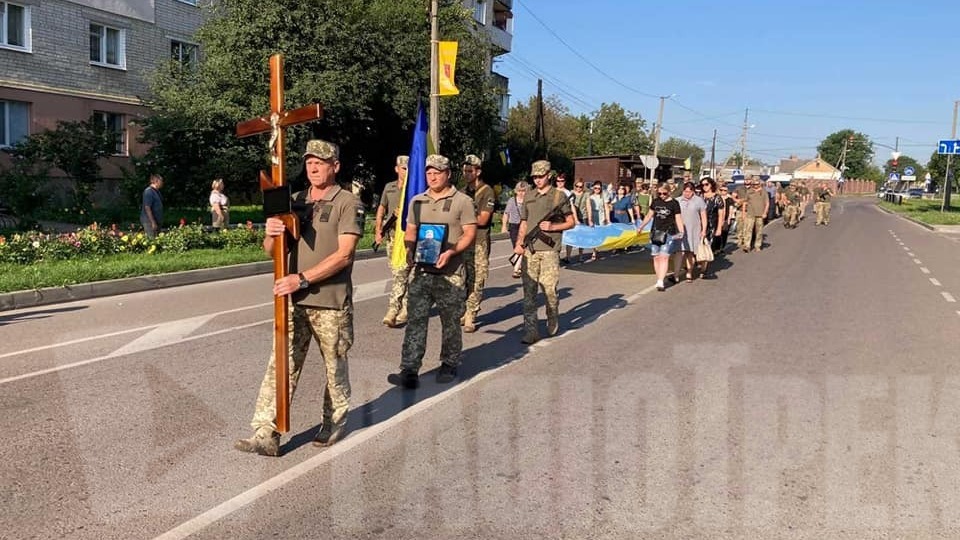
95, 241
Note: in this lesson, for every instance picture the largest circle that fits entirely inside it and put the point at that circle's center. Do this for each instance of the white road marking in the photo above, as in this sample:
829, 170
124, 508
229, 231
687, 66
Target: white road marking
355, 439
918, 261
910, 254
112, 355
163, 334
948, 297
905, 248
128, 331
935, 282
924, 269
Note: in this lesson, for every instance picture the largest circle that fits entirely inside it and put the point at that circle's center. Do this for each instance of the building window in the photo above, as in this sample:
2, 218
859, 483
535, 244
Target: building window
480, 11
191, 2
107, 46
184, 53
14, 122
115, 124
14, 26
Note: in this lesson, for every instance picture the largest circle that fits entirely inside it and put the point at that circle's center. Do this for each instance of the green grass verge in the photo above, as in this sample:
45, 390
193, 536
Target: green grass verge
84, 270
926, 211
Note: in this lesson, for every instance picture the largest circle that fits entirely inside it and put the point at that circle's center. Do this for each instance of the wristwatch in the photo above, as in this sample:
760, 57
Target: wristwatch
304, 283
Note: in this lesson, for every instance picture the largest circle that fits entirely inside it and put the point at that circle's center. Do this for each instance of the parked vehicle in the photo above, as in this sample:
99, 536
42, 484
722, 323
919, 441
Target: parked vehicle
915, 193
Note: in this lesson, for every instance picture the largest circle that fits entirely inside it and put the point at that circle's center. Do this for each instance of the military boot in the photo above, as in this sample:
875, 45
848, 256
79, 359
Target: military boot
469, 325
390, 319
529, 338
553, 325
330, 433
402, 317
261, 443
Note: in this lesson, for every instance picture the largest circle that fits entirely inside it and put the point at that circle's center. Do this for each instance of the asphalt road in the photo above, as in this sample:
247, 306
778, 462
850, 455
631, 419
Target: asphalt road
811, 391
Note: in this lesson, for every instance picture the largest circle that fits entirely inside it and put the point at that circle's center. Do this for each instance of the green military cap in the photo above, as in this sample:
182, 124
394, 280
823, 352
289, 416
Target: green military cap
438, 162
322, 149
472, 160
402, 161
540, 168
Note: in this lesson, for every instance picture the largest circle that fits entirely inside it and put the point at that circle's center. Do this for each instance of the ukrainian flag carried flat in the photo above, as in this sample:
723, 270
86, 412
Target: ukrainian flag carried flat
606, 237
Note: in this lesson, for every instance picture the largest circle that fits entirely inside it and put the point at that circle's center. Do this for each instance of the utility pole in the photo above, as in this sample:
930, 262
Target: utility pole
540, 134
656, 132
743, 142
713, 156
434, 76
590, 150
947, 183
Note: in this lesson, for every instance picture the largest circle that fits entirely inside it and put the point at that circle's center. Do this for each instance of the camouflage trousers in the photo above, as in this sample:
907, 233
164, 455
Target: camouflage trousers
791, 215
753, 233
333, 330
743, 230
540, 269
476, 261
447, 293
822, 209
397, 301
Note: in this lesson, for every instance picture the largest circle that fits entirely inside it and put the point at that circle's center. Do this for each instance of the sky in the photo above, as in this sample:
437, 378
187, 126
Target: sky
804, 69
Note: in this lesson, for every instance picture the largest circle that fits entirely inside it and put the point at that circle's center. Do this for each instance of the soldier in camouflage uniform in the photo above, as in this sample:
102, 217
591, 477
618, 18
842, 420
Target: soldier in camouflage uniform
476, 259
441, 283
740, 197
547, 209
804, 198
822, 195
791, 207
391, 205
320, 286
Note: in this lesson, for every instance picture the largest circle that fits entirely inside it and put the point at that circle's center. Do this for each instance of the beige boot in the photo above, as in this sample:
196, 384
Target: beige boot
469, 325
402, 317
261, 443
553, 326
390, 319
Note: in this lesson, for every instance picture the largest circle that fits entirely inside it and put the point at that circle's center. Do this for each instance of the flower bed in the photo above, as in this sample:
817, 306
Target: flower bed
95, 242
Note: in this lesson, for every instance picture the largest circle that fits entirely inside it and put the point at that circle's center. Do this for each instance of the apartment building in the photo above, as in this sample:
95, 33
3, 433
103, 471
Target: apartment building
73, 59
496, 19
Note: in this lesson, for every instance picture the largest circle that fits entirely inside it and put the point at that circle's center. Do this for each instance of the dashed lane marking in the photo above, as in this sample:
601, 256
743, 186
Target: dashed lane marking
911, 254
935, 282
924, 269
948, 297
918, 261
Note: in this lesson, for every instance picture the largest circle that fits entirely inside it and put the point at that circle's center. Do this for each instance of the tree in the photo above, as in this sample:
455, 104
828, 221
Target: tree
75, 148
680, 148
366, 61
563, 135
737, 159
937, 167
903, 162
617, 131
859, 151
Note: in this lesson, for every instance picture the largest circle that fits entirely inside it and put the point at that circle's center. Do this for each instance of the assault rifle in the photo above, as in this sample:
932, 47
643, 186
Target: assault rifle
385, 228
534, 233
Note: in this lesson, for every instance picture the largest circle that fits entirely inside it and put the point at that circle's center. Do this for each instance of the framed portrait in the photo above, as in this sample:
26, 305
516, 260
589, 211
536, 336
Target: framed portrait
277, 201
431, 239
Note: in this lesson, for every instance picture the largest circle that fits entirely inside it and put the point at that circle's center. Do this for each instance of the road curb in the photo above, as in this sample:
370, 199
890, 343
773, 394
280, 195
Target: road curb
99, 289
908, 218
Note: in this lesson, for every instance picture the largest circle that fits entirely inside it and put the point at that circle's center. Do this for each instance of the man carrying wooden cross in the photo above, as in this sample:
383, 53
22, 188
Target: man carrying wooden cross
320, 285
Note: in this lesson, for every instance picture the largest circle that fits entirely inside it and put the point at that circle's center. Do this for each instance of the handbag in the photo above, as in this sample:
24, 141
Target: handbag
658, 238
704, 251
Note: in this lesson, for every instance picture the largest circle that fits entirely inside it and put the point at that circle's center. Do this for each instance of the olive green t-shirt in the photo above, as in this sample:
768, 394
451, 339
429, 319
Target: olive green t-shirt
793, 196
454, 210
822, 195
484, 200
756, 201
331, 216
390, 199
537, 206
741, 193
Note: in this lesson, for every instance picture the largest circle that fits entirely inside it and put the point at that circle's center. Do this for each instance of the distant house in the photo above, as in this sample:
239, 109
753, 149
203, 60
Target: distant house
816, 169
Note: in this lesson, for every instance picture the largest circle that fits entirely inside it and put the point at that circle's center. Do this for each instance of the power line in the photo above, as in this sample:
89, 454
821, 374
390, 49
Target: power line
579, 95
582, 57
556, 84
854, 118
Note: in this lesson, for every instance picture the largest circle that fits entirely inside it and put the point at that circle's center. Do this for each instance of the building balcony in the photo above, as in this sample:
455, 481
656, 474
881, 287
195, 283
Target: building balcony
501, 40
501, 27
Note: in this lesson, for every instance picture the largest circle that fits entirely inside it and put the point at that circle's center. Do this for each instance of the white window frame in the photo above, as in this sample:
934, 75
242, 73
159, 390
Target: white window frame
480, 11
104, 116
189, 2
27, 28
5, 104
121, 46
182, 43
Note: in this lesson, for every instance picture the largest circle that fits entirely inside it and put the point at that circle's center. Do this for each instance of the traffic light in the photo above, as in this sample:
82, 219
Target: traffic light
894, 164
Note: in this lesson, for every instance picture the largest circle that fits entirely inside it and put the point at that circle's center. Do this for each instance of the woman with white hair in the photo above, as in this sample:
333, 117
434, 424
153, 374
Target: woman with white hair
219, 205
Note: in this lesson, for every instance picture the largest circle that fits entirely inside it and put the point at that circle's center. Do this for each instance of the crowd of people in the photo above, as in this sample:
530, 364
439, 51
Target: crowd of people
690, 224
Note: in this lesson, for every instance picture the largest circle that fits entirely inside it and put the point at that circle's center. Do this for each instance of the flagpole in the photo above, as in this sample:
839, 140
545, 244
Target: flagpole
434, 76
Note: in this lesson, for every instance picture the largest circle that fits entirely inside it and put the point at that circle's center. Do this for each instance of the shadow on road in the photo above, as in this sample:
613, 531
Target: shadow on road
505, 349
40, 314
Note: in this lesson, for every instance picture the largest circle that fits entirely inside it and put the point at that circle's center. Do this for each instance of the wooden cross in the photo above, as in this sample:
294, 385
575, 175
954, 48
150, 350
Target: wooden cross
275, 124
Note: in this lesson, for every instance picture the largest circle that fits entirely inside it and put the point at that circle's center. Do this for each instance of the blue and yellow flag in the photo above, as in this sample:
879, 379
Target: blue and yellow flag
415, 184
606, 237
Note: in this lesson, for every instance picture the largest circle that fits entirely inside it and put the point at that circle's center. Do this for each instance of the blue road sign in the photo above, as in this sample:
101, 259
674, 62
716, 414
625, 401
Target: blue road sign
894, 176
948, 146
909, 171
